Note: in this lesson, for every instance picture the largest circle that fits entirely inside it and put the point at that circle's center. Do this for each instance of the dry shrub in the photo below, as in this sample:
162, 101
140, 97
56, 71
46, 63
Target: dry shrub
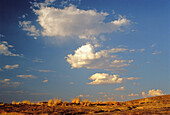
18, 102
57, 101
65, 103
26, 102
50, 102
86, 103
76, 100
13, 102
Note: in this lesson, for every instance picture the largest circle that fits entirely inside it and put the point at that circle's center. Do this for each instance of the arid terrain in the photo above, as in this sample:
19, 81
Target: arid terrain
153, 105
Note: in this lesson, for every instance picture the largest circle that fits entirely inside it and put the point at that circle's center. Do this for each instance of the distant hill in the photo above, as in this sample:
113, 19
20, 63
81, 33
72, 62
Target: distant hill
165, 99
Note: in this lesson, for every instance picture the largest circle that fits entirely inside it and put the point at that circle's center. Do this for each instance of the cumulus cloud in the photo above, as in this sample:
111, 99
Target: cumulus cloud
85, 56
11, 66
8, 83
71, 21
133, 95
104, 78
153, 92
26, 76
45, 81
120, 89
31, 29
4, 49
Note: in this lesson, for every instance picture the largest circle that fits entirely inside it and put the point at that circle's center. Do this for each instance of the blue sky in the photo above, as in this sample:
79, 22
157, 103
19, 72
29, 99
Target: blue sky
92, 49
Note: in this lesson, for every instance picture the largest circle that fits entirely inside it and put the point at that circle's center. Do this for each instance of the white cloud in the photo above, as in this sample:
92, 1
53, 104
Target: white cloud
104, 78
7, 83
71, 21
11, 66
120, 89
141, 50
31, 29
4, 49
153, 45
153, 92
85, 56
156, 52
26, 76
133, 95
46, 71
45, 81
144, 94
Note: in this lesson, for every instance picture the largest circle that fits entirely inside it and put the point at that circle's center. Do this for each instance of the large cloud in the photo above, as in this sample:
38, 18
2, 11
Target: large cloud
85, 56
72, 21
4, 49
104, 78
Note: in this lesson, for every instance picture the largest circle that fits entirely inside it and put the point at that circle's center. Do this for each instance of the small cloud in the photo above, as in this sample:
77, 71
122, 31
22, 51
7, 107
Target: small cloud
71, 83
7, 83
144, 94
153, 45
31, 29
45, 81
120, 89
122, 97
26, 76
16, 92
101, 93
4, 49
132, 50
11, 66
46, 71
133, 95
156, 52
80, 95
38, 60
5, 80
141, 50
133, 78
39, 93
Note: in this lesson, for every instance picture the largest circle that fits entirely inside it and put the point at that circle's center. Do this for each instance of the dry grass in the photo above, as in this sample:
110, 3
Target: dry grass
152, 105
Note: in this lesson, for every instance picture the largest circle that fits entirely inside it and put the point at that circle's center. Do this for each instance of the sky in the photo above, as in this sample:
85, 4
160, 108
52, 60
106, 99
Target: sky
92, 49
